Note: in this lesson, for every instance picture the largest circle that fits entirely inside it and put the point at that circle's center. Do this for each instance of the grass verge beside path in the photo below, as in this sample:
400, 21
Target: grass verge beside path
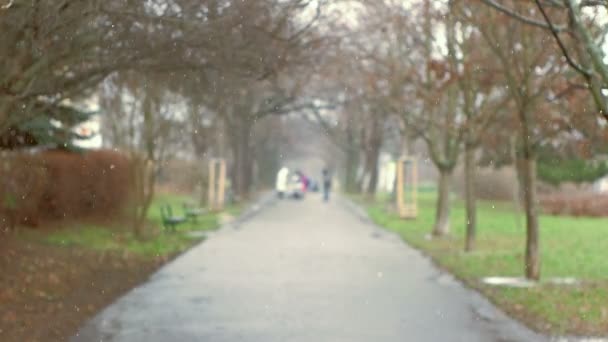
54, 279
570, 247
157, 243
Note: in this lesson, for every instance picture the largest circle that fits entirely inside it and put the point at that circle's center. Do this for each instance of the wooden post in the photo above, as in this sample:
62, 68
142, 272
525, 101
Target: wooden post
217, 183
211, 185
221, 185
415, 186
400, 190
407, 207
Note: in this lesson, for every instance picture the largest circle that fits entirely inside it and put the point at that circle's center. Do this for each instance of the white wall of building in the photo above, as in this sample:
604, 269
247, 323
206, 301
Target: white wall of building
90, 128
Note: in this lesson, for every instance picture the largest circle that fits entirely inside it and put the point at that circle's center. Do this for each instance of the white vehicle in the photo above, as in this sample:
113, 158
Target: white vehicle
295, 187
282, 181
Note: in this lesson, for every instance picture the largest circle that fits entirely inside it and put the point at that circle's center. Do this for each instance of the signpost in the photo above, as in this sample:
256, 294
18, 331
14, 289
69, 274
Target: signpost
407, 187
217, 184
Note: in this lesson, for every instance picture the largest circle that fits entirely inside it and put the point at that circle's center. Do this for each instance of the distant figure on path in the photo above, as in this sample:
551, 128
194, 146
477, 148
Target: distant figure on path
326, 185
304, 180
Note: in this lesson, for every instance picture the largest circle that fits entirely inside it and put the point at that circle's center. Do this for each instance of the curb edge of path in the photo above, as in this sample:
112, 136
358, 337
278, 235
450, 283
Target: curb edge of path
356, 209
261, 201
480, 300
255, 207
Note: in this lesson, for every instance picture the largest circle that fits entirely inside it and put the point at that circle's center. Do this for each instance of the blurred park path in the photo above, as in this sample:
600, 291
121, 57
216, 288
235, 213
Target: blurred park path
302, 271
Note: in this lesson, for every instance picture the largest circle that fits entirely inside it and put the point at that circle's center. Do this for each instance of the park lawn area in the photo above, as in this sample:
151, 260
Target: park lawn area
157, 243
54, 279
570, 247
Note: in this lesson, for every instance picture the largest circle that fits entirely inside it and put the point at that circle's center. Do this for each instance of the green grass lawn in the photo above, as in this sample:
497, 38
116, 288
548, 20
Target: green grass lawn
570, 247
156, 243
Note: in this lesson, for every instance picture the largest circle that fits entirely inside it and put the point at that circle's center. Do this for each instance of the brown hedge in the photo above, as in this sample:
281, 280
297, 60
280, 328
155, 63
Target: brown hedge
54, 185
582, 204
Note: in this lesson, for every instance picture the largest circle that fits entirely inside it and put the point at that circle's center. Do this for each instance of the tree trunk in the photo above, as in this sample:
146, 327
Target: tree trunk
470, 197
143, 182
145, 175
373, 154
239, 170
204, 182
442, 213
372, 167
351, 163
250, 171
528, 188
532, 262
242, 160
517, 192
7, 106
350, 169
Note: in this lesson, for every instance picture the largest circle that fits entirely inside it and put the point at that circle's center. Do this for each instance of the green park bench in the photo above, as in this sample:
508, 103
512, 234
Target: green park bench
170, 222
192, 213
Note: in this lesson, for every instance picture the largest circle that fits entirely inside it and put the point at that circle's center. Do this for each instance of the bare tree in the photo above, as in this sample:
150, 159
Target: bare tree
481, 100
435, 117
529, 70
53, 51
141, 118
577, 34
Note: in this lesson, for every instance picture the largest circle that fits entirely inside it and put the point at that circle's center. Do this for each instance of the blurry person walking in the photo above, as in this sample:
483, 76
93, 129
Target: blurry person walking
326, 185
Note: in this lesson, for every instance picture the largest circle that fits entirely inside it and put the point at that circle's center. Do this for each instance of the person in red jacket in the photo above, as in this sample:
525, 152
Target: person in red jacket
304, 180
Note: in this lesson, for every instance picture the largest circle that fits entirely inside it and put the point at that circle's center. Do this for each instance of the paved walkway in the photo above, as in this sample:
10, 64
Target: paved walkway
302, 271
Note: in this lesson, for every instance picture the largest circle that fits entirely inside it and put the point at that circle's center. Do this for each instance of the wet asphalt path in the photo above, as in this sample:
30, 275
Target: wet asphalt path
302, 271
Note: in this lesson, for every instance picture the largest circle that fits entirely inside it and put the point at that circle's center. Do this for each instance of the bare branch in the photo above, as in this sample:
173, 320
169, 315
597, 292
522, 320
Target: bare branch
560, 43
522, 18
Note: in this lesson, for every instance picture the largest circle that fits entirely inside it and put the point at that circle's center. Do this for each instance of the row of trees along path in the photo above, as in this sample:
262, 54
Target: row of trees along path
487, 82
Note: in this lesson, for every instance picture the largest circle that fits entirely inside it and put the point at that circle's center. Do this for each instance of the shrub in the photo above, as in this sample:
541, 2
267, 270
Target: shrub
557, 171
93, 183
60, 184
22, 176
490, 183
581, 204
